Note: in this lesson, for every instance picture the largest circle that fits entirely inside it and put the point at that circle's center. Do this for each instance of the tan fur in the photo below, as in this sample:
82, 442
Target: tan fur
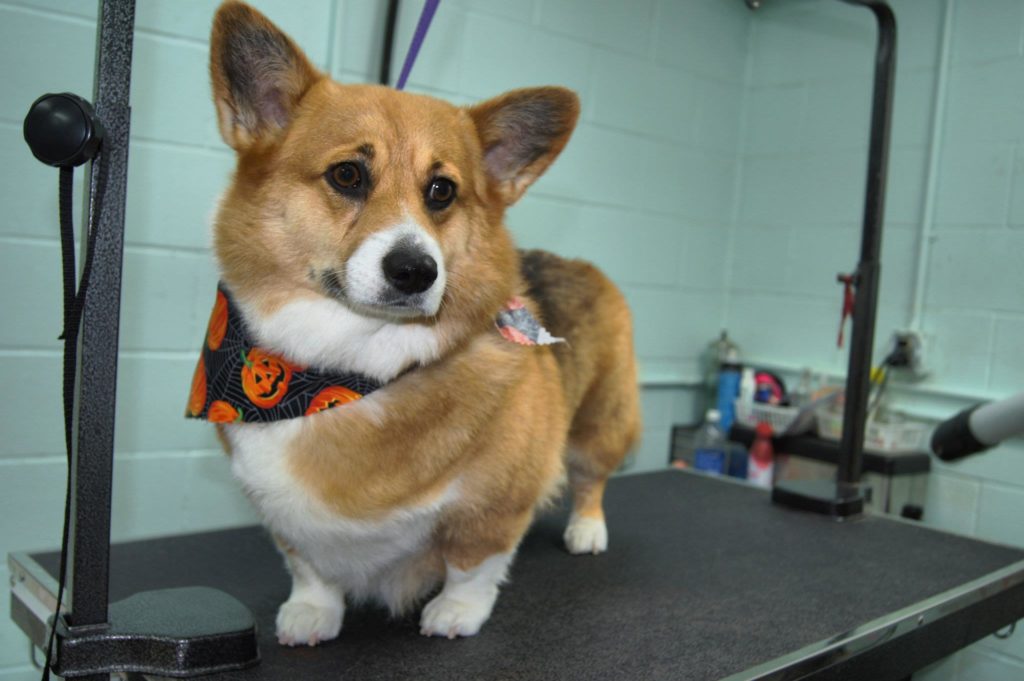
490, 416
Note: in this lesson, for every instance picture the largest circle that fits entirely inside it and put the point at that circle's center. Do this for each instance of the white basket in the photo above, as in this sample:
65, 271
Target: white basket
752, 413
905, 436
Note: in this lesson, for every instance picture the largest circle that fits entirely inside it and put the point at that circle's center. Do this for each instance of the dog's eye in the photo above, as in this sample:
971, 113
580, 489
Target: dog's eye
348, 178
440, 193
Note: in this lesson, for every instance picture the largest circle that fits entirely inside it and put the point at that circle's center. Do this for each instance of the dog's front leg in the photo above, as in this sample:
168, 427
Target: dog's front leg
313, 611
467, 598
476, 557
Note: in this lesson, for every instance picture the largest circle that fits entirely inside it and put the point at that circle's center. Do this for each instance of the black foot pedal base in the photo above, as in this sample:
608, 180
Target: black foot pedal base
170, 632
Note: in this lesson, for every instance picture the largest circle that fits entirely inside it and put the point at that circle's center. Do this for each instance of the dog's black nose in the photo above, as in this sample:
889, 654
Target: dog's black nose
410, 270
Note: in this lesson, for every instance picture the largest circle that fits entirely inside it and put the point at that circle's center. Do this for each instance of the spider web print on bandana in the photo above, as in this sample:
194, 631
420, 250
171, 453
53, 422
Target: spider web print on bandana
236, 381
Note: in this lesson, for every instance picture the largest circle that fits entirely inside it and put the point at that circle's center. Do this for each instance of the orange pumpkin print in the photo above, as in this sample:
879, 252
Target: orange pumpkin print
222, 412
218, 325
265, 378
197, 395
331, 397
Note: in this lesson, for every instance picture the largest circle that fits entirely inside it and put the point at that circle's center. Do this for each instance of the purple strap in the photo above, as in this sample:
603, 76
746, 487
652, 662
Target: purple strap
429, 7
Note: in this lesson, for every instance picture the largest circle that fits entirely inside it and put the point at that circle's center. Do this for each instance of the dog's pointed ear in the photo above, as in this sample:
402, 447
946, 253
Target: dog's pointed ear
521, 133
258, 75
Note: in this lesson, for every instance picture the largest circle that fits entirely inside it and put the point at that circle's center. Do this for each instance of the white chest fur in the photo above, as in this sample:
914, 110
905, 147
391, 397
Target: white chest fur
363, 557
325, 334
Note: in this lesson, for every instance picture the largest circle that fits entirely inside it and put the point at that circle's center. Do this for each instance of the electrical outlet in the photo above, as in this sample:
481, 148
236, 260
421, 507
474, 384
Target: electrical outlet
906, 353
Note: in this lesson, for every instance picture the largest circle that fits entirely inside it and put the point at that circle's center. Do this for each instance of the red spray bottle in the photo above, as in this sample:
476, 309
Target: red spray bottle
762, 457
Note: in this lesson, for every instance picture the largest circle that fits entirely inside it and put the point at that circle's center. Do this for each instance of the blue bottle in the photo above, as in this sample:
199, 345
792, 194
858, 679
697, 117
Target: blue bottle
728, 389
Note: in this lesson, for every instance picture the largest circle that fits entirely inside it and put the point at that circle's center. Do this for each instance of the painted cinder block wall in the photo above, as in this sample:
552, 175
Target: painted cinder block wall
716, 175
953, 247
645, 189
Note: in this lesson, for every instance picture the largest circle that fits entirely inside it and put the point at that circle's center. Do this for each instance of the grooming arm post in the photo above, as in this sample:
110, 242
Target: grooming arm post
92, 464
169, 632
844, 497
868, 270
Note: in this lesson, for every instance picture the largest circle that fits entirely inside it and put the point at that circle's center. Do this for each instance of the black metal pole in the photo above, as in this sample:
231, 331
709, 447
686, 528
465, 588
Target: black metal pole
843, 497
866, 279
166, 632
390, 19
92, 464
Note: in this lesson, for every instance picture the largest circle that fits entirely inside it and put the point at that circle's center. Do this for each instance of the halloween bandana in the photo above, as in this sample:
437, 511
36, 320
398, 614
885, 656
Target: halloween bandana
236, 381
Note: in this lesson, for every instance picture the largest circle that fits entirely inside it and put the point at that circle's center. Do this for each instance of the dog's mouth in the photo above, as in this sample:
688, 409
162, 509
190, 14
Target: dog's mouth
331, 284
381, 304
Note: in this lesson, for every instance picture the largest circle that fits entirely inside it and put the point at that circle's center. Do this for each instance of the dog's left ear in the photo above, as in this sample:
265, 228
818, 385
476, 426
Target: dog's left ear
258, 74
522, 132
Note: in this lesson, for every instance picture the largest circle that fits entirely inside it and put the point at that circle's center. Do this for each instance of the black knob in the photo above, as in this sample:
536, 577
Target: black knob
410, 270
62, 130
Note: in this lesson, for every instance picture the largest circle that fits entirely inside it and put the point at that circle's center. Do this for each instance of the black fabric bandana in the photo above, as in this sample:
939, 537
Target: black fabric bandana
236, 381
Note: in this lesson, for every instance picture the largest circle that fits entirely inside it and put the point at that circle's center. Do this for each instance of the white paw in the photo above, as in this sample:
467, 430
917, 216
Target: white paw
302, 623
451, 617
586, 535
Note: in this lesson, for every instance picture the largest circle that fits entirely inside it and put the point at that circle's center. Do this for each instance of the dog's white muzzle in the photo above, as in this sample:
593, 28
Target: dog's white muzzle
398, 272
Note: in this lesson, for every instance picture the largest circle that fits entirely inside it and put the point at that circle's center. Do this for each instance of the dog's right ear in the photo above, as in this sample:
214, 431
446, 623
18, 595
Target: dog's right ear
258, 74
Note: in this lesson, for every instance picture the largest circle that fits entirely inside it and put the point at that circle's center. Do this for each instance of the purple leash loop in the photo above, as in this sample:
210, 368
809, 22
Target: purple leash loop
429, 7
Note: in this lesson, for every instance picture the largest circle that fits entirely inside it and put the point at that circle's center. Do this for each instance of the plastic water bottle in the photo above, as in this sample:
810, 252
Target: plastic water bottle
710, 447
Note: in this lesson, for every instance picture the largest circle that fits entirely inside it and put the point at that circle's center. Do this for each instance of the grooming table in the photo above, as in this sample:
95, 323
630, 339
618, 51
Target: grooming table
705, 579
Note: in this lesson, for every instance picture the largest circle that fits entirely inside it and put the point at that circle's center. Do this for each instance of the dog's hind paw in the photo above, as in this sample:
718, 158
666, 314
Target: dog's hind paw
302, 623
586, 535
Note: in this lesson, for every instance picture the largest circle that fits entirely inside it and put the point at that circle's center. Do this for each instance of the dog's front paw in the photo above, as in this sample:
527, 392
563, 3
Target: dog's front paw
303, 623
452, 617
586, 535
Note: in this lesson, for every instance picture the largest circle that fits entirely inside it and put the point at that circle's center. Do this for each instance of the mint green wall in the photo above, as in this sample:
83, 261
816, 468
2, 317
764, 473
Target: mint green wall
645, 190
716, 175
953, 251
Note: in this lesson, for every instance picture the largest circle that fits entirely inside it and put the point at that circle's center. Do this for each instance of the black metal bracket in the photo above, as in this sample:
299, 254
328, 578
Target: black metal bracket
845, 497
852, 278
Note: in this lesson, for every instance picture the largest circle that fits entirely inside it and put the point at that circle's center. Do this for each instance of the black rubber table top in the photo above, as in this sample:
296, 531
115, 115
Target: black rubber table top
703, 579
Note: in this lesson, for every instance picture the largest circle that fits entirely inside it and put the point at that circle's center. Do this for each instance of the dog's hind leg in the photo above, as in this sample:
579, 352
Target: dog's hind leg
586, 532
605, 428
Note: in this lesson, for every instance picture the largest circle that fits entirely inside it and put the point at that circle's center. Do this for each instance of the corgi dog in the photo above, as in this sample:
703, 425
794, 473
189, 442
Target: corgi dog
361, 241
